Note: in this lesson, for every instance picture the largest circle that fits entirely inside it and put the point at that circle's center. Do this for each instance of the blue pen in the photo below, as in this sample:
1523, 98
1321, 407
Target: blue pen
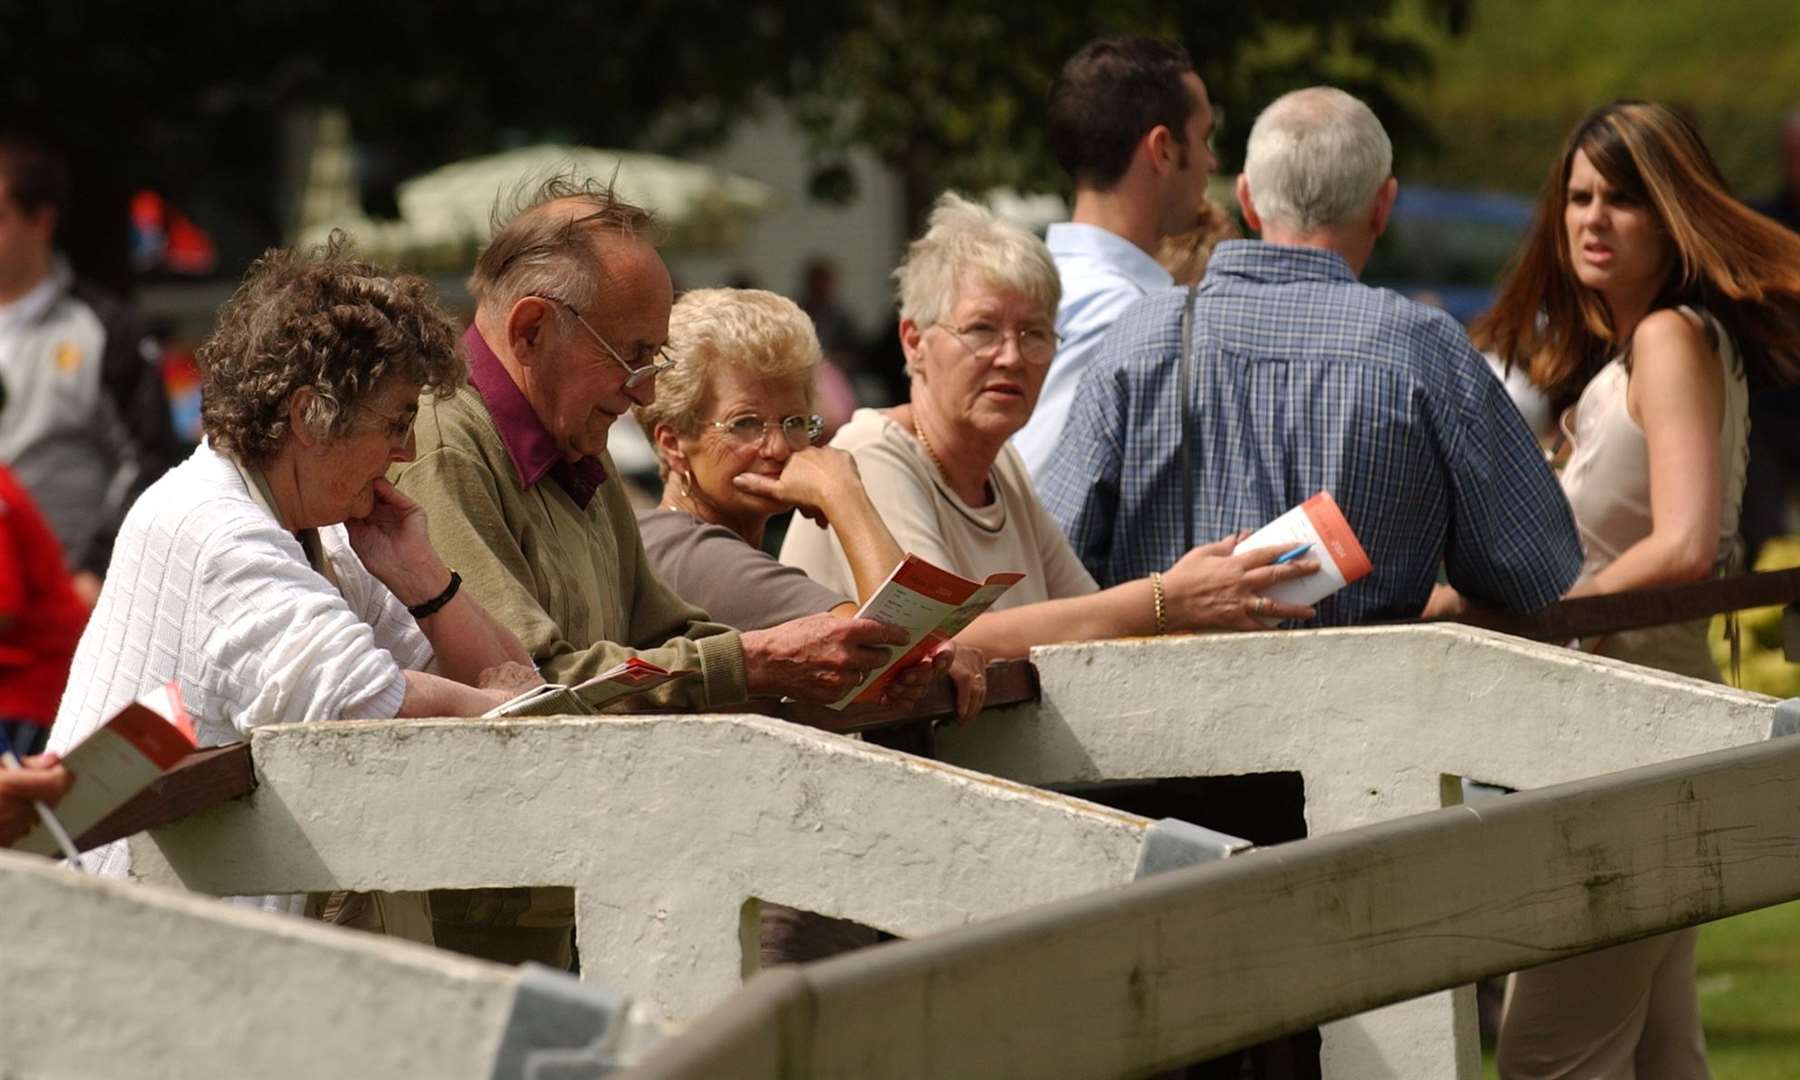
1292, 554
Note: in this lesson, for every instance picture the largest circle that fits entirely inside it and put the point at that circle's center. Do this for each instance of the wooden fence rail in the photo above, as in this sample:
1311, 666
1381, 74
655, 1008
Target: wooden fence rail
1205, 960
1592, 615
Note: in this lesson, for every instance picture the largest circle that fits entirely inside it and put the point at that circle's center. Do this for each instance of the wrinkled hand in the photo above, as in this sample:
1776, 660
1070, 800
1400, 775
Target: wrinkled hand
1444, 603
394, 546
817, 658
907, 688
1209, 588
510, 678
968, 672
43, 779
810, 480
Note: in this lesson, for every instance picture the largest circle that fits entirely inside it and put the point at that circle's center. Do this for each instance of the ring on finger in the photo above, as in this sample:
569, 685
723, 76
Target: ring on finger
1257, 608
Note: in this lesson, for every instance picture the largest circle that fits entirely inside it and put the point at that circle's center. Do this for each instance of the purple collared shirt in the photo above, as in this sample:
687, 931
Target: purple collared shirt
528, 443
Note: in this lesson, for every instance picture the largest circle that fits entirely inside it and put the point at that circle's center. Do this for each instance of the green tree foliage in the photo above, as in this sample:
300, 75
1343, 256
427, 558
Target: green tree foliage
950, 92
200, 100
1525, 71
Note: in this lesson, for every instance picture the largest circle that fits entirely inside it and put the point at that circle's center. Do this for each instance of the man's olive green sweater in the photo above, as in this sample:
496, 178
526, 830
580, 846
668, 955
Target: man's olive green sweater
573, 584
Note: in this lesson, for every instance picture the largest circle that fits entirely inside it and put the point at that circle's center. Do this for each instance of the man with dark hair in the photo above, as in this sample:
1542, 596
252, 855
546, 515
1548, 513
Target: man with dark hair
1130, 123
89, 426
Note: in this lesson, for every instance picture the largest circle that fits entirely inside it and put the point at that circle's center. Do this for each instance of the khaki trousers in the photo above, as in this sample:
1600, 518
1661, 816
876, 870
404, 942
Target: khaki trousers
1630, 1012
507, 926
405, 915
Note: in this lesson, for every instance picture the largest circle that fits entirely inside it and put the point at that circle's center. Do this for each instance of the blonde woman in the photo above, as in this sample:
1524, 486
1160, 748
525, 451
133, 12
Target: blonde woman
734, 424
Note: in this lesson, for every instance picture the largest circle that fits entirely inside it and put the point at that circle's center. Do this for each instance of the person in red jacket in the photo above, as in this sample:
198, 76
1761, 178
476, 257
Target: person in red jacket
41, 617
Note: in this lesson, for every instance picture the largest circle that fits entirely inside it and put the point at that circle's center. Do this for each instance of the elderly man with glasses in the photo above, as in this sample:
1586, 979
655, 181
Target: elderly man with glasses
571, 316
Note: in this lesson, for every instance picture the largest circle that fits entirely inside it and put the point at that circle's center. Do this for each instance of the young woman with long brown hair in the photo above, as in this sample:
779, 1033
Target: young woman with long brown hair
1650, 300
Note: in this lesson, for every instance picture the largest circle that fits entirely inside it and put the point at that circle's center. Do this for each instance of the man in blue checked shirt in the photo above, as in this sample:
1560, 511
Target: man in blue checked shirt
1304, 379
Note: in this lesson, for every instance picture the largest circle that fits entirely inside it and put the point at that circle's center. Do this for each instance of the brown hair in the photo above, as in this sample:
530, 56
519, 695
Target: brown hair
1112, 93
543, 245
1729, 260
318, 319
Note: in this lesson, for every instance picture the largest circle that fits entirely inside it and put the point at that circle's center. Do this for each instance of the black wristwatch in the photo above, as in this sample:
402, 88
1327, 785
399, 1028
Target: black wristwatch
421, 612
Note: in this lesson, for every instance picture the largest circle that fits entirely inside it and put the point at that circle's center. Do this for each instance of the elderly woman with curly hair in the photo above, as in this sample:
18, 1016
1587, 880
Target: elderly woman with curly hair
275, 574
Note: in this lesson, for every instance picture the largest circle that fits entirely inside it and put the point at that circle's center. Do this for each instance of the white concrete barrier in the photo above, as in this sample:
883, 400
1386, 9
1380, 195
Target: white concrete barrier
106, 979
1213, 958
664, 825
1374, 720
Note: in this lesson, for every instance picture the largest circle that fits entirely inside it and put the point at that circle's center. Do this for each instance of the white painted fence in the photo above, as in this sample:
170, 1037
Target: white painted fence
664, 825
106, 979
1374, 720
1212, 958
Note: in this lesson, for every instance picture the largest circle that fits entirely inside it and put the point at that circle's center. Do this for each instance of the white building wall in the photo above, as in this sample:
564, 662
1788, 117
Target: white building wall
864, 238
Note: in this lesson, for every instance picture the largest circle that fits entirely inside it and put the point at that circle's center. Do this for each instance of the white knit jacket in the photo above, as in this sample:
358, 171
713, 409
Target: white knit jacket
205, 587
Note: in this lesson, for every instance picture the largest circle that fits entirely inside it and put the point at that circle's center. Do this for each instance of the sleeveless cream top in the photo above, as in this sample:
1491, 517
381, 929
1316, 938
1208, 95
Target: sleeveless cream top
1607, 481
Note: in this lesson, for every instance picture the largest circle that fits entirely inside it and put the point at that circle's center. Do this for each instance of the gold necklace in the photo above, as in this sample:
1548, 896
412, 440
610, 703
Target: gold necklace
919, 430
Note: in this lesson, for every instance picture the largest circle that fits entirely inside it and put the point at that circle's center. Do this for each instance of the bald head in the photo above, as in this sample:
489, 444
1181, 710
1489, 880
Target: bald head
1317, 160
553, 243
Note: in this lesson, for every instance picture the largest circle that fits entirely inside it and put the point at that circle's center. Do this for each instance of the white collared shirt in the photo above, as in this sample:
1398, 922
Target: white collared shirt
1102, 275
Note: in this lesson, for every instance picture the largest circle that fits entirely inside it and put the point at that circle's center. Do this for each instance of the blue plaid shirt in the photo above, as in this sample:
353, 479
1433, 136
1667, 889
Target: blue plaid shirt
1305, 379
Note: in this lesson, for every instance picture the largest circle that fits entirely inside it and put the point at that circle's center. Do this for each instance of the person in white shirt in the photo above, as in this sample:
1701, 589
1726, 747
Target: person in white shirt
276, 575
1131, 123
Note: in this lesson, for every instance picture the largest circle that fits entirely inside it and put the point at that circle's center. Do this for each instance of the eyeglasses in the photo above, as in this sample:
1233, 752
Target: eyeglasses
396, 428
648, 367
1036, 343
751, 429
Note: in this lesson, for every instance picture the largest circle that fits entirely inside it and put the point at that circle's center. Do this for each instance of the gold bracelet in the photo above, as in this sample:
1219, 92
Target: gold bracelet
1156, 589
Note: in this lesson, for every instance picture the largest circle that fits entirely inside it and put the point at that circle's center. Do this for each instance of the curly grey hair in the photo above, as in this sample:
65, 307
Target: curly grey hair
320, 319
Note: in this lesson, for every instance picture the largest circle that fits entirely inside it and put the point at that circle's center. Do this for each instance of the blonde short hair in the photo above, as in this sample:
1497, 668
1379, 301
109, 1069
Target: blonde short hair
712, 331
962, 241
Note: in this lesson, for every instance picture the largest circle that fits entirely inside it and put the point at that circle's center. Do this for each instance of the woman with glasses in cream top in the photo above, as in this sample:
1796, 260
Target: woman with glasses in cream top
977, 308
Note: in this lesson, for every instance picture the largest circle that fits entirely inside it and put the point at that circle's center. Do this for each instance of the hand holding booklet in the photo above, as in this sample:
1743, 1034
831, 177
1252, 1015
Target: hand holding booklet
932, 605
119, 759
633, 676
1317, 522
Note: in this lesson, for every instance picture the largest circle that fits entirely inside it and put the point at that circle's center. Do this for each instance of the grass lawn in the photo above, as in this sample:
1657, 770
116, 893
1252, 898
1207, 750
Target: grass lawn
1749, 995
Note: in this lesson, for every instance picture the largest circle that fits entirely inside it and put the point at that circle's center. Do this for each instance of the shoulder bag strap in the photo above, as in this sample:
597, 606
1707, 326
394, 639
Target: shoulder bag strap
1187, 419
